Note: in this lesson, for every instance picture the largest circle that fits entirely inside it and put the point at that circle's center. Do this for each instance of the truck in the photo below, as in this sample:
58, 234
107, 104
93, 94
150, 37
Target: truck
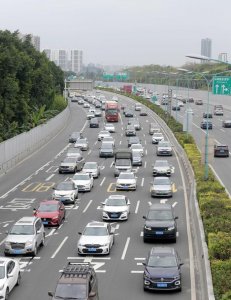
112, 111
127, 89
123, 161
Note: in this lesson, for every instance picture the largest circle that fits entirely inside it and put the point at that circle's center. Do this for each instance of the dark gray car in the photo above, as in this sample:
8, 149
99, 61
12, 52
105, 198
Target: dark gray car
106, 150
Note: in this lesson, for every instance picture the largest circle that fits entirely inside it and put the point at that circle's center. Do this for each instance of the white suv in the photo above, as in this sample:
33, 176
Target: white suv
25, 236
9, 276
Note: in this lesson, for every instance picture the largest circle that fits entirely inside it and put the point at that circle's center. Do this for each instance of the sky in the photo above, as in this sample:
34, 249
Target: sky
124, 32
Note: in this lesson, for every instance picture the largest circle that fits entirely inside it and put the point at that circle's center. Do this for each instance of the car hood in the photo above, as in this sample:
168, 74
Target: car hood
126, 181
90, 170
162, 272
158, 137
67, 164
63, 193
115, 208
160, 223
161, 168
162, 187
19, 238
81, 182
47, 214
94, 239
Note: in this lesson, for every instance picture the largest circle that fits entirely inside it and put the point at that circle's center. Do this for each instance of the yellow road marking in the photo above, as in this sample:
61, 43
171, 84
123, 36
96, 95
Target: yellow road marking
111, 188
38, 187
174, 190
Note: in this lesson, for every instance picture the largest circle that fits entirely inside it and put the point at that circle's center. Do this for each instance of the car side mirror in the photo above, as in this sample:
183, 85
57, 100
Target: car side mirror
181, 264
102, 203
92, 294
144, 217
51, 294
144, 264
176, 218
80, 233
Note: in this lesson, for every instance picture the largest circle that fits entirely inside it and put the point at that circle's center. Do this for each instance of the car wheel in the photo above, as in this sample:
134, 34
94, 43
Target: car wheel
145, 289
145, 240
174, 240
60, 172
6, 254
7, 294
19, 279
34, 253
64, 217
43, 240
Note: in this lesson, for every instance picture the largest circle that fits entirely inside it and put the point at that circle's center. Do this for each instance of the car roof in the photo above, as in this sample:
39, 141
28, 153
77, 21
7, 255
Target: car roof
4, 260
160, 206
116, 197
26, 220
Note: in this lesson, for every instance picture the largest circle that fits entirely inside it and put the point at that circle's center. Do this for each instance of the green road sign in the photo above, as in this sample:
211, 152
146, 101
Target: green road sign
222, 85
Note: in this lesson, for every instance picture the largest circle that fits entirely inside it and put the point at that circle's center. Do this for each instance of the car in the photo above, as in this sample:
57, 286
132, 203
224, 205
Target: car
181, 104
143, 113
92, 168
92, 110
199, 102
175, 107
226, 123
135, 123
10, 276
161, 187
206, 124
82, 144
137, 148
74, 152
138, 107
83, 181
221, 151
71, 165
161, 167
98, 113
86, 105
75, 136
110, 140
160, 223
218, 112
136, 158
25, 237
162, 270
109, 127
164, 148
80, 101
133, 140
51, 212
90, 115
106, 150
207, 115
126, 181
130, 130
102, 134
98, 105
128, 113
157, 137
65, 192
153, 127
116, 208
77, 281
96, 238
94, 123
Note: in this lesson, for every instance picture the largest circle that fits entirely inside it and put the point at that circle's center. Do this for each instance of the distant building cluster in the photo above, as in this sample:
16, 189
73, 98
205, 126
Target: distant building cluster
206, 47
35, 40
67, 60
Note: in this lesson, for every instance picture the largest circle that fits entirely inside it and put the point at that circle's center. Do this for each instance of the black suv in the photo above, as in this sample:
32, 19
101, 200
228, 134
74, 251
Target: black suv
94, 123
160, 223
162, 270
77, 281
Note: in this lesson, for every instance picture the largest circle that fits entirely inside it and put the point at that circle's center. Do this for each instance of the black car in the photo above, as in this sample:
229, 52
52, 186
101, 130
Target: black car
143, 113
133, 140
205, 124
207, 115
221, 151
226, 124
162, 270
94, 123
160, 223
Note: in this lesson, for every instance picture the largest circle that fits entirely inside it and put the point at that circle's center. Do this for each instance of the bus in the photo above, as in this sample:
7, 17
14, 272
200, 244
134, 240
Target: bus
111, 111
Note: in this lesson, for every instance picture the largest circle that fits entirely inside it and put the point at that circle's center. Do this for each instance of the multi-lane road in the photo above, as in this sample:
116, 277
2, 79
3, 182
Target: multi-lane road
119, 274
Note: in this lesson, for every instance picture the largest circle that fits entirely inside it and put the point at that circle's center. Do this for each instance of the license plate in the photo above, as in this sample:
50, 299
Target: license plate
92, 249
114, 215
45, 222
161, 284
222, 151
159, 232
17, 251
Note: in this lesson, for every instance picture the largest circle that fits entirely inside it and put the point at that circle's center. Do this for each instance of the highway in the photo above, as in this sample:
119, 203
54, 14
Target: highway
120, 273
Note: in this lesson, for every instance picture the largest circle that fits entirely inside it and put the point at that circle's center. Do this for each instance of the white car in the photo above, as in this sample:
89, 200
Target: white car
97, 238
66, 192
164, 148
86, 105
83, 181
110, 140
82, 144
92, 168
137, 148
10, 276
109, 127
116, 207
90, 115
157, 137
126, 181
91, 110
102, 134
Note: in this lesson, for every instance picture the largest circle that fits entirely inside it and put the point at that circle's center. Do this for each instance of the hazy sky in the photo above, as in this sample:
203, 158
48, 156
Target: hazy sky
123, 32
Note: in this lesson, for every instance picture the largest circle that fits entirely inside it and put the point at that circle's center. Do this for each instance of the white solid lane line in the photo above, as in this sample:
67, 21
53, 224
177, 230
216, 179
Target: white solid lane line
111, 164
137, 272
85, 209
142, 182
125, 248
48, 178
51, 232
174, 204
59, 247
145, 164
137, 206
101, 183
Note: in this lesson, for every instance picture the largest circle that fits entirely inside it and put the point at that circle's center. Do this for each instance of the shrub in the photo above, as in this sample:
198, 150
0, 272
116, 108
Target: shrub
221, 277
219, 245
226, 296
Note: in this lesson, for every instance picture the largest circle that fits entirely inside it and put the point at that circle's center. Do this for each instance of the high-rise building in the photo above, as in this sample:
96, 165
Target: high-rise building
71, 60
206, 47
35, 40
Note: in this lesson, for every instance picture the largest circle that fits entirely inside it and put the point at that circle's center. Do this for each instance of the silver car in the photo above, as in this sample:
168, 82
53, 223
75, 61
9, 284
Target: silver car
71, 165
109, 127
25, 237
92, 168
161, 167
82, 144
161, 187
164, 148
157, 137
66, 192
74, 152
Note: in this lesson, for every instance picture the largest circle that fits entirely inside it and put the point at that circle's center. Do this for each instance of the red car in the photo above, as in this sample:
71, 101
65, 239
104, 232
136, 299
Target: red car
51, 212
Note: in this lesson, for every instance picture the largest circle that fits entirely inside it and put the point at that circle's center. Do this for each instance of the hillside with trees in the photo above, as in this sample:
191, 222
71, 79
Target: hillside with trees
30, 86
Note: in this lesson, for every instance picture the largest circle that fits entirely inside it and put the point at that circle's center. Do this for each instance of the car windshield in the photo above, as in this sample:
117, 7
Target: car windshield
116, 202
69, 160
157, 134
90, 166
136, 146
71, 291
109, 125
104, 133
161, 181
22, 230
106, 146
112, 112
126, 176
108, 139
81, 141
123, 162
95, 231
162, 261
47, 207
164, 144
64, 186
161, 164
73, 150
2, 272
160, 215
81, 177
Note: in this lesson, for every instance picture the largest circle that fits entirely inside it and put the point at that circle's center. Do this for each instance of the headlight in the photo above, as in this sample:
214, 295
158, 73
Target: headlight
55, 218
7, 244
171, 228
125, 213
29, 243
1, 287
104, 245
147, 227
